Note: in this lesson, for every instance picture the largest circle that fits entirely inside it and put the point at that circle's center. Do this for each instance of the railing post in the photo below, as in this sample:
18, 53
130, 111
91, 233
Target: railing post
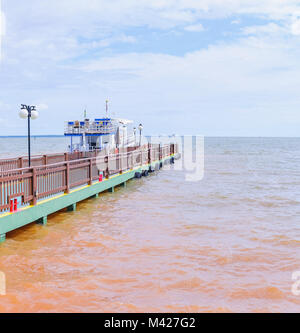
149, 153
107, 168
34, 187
160, 157
91, 172
172, 150
21, 163
66, 157
45, 159
132, 159
121, 163
67, 178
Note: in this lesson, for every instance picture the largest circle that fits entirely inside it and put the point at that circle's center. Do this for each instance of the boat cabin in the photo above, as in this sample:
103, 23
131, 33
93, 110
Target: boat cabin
100, 134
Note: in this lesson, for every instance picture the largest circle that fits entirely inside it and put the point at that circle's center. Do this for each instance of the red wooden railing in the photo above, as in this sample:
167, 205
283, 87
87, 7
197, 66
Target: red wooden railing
42, 181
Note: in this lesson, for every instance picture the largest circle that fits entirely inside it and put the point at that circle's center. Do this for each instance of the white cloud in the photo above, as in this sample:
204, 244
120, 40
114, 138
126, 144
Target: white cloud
105, 42
65, 59
295, 28
194, 28
236, 21
42, 106
62, 29
226, 89
72, 15
270, 28
248, 65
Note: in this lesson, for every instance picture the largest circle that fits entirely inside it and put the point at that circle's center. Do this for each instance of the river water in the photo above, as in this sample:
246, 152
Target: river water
229, 243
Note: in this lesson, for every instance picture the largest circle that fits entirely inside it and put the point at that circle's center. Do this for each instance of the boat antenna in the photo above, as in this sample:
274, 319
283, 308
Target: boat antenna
107, 108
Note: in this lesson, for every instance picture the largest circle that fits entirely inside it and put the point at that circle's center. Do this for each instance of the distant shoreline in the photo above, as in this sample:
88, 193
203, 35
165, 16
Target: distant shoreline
33, 136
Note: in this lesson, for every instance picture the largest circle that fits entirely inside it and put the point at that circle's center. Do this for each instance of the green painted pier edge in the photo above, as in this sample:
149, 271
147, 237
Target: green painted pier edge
40, 212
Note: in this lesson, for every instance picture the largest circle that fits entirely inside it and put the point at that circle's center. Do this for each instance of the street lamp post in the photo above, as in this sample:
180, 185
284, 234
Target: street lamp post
134, 133
140, 129
124, 131
28, 112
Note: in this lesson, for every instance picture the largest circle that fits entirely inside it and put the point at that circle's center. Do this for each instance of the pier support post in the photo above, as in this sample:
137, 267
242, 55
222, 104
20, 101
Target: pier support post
124, 184
72, 208
95, 195
42, 221
2, 238
111, 190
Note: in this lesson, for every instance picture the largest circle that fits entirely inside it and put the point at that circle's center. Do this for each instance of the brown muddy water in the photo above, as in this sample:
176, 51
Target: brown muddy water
229, 243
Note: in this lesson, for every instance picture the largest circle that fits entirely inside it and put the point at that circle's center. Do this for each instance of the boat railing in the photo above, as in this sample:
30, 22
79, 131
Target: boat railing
31, 184
78, 128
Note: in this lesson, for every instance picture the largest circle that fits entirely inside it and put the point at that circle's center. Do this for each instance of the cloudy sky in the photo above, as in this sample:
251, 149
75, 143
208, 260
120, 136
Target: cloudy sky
212, 67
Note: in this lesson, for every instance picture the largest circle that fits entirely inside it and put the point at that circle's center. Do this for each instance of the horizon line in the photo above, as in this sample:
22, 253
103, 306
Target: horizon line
206, 136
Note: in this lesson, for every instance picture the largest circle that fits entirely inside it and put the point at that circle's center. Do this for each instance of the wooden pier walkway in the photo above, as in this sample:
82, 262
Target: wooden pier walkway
59, 181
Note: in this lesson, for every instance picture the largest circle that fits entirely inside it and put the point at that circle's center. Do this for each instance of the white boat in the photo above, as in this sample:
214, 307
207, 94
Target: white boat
101, 134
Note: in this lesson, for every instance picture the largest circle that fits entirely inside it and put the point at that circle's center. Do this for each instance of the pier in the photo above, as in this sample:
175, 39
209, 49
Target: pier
58, 181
